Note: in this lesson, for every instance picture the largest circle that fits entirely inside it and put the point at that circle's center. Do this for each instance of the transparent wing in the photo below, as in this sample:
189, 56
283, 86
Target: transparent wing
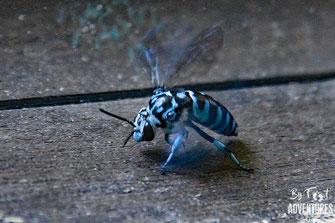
166, 51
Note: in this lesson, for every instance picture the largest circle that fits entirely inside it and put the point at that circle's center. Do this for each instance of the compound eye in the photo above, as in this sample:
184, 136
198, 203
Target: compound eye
148, 132
171, 115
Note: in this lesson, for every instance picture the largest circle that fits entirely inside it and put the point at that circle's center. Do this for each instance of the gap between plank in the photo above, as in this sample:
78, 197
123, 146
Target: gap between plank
140, 93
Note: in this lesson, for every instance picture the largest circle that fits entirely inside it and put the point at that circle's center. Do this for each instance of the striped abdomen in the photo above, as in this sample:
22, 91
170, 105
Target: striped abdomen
210, 113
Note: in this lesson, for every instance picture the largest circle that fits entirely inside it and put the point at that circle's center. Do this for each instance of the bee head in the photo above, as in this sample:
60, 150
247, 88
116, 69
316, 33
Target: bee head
144, 129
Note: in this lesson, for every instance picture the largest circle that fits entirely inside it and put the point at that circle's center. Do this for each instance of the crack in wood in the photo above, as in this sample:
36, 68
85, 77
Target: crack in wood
140, 93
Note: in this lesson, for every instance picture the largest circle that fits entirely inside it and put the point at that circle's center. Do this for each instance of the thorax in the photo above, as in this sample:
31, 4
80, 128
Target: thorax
161, 106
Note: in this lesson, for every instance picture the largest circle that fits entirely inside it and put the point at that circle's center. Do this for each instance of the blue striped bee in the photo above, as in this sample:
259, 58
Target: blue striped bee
175, 110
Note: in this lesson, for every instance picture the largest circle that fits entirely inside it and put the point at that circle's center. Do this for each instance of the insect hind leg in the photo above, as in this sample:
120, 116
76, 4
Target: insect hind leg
228, 152
219, 145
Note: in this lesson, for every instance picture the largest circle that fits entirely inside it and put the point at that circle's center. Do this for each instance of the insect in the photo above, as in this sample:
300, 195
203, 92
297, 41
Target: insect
175, 110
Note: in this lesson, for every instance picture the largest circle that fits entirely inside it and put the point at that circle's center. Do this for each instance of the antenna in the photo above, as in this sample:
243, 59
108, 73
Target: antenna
118, 117
125, 142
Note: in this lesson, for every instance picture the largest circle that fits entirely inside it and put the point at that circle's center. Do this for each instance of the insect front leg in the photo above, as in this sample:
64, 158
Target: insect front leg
170, 142
219, 145
167, 139
174, 148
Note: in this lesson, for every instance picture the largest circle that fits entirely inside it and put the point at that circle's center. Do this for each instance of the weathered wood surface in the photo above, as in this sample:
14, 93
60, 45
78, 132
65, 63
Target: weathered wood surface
65, 163
262, 39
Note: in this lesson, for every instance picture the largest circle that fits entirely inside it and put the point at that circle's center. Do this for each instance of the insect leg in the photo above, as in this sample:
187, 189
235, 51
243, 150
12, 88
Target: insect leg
174, 148
170, 142
219, 145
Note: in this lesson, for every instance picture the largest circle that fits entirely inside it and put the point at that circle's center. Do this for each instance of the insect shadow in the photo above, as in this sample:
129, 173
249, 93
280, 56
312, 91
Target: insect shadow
202, 159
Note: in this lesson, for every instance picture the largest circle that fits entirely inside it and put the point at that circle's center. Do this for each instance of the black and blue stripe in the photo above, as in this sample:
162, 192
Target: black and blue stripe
208, 112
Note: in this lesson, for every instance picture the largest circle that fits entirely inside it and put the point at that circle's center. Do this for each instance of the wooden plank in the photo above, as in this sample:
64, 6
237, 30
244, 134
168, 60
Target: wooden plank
262, 39
66, 163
